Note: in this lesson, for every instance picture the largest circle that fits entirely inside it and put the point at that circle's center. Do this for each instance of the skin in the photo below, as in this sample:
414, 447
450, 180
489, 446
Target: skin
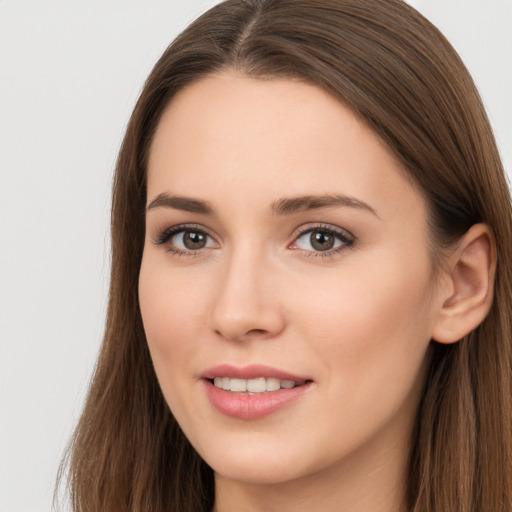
358, 322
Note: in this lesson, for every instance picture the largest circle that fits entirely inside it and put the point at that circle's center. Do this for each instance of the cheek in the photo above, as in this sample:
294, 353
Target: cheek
172, 311
367, 324
368, 339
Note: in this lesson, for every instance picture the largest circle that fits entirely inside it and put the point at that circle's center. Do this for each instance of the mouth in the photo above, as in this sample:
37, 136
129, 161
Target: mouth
256, 385
254, 391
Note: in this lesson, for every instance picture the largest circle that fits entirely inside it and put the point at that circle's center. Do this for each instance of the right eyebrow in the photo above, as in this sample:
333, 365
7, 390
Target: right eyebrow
187, 204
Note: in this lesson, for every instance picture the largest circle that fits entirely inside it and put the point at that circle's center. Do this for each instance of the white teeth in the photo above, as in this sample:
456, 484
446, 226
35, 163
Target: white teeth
238, 385
273, 384
258, 385
287, 384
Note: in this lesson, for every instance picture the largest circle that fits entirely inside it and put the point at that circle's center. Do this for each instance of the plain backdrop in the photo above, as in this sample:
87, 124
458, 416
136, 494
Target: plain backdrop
70, 73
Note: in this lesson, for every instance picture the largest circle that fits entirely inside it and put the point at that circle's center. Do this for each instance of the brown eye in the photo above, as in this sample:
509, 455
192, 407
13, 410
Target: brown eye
187, 240
321, 240
193, 240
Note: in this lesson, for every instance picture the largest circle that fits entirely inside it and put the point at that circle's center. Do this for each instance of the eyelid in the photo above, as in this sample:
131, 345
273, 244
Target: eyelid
322, 226
162, 237
348, 239
342, 234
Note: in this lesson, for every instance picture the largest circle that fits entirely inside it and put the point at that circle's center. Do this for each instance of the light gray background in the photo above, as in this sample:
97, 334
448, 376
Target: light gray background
70, 73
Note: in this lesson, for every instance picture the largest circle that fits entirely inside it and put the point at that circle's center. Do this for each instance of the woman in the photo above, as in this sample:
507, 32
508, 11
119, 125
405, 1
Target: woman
311, 277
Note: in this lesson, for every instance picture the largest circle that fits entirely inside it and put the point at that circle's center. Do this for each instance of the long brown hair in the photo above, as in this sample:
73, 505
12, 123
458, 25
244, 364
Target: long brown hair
396, 70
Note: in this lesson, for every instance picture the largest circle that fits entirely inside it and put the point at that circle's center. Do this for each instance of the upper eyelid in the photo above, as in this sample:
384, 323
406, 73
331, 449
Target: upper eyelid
163, 236
301, 230
306, 228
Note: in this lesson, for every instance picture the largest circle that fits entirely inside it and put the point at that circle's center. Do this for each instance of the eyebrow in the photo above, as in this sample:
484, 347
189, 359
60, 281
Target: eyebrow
284, 206
187, 204
287, 206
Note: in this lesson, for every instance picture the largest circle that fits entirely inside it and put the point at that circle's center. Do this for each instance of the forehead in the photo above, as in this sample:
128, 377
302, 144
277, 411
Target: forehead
232, 139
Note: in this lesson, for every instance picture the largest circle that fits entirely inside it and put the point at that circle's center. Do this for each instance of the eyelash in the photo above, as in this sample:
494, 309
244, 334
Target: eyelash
347, 239
164, 237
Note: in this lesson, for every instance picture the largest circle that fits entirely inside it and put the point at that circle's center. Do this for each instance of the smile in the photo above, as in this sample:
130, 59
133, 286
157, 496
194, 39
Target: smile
254, 391
257, 385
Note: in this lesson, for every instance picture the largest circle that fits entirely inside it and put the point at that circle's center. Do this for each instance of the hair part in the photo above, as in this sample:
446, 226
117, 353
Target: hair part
401, 76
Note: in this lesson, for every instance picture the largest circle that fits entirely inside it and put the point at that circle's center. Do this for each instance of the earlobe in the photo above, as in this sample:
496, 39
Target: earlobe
471, 271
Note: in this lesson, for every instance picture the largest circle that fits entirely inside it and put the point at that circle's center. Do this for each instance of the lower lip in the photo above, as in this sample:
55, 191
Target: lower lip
251, 407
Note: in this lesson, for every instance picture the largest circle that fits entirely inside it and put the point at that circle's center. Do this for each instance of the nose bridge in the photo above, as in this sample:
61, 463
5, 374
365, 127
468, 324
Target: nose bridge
245, 303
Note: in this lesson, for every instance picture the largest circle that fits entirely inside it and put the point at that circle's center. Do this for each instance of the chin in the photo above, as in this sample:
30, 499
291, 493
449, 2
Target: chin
257, 472
261, 458
257, 461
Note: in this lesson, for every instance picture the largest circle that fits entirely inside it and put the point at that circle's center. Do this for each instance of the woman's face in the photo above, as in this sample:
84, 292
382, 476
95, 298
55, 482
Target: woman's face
284, 247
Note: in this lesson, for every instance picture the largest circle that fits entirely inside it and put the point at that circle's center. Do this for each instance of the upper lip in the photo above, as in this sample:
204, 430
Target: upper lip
252, 371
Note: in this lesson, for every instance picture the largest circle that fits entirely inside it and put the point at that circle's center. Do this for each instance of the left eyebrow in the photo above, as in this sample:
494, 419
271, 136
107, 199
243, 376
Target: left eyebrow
287, 206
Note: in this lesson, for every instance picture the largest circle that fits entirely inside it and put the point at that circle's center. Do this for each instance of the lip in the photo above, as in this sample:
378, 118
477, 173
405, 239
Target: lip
252, 406
252, 371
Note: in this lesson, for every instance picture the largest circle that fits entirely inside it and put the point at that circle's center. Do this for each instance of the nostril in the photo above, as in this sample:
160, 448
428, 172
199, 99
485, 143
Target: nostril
252, 333
256, 331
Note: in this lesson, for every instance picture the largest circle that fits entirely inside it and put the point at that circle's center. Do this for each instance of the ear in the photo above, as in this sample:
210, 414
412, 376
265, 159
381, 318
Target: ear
467, 298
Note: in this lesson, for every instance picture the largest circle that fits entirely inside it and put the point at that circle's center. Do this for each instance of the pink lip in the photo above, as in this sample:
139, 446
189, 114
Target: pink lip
251, 406
252, 371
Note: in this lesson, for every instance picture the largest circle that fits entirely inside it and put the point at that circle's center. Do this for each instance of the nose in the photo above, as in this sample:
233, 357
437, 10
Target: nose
245, 303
